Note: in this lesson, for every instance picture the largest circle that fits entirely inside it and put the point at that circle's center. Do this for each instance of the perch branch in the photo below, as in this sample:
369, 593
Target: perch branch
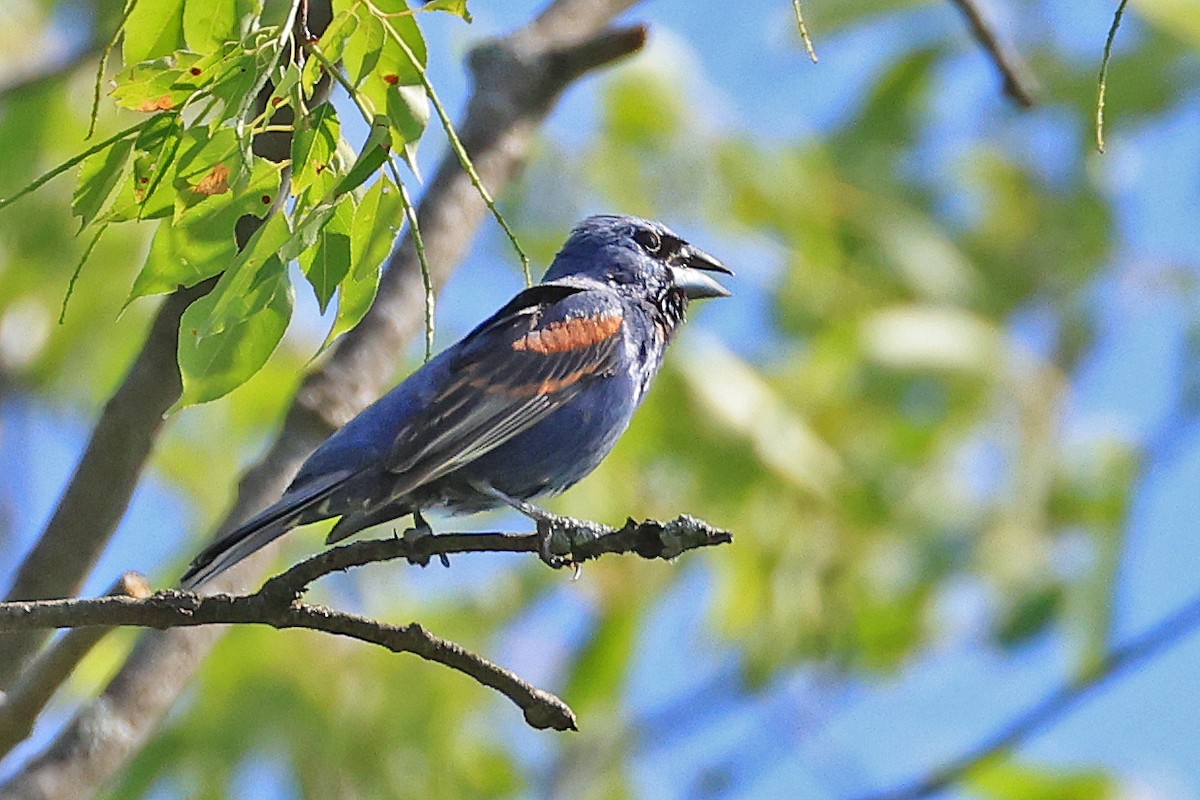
277, 603
650, 539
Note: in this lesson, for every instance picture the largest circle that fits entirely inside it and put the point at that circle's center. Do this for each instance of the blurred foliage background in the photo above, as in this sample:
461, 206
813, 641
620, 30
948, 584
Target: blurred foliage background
956, 379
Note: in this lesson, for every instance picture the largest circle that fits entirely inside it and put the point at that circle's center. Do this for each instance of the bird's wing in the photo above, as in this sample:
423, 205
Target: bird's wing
531, 358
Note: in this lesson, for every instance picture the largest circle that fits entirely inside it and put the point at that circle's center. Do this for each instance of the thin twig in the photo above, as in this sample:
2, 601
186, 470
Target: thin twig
1019, 81
1170, 631
102, 67
804, 37
70, 162
1102, 83
410, 212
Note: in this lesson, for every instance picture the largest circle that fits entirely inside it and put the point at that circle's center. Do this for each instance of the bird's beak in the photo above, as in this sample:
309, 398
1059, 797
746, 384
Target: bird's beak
689, 274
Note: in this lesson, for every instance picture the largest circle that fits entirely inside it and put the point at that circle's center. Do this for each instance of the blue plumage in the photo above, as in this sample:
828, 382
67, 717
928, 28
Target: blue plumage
526, 404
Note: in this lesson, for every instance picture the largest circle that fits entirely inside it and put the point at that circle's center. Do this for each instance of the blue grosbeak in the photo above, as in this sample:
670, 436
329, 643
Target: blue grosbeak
527, 403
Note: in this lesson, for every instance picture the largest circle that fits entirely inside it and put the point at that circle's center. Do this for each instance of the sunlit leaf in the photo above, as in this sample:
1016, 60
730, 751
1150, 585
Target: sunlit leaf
456, 7
327, 261
164, 84
314, 145
354, 299
209, 23
238, 295
183, 254
408, 111
214, 365
378, 218
361, 52
332, 44
98, 178
372, 156
154, 28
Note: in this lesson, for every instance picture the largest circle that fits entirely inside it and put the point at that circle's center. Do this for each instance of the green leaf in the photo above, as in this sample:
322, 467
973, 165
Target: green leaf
370, 159
184, 255
212, 366
331, 45
408, 111
237, 77
308, 229
149, 195
164, 84
373, 231
327, 262
393, 61
98, 178
392, 70
456, 7
236, 295
354, 300
361, 52
210, 164
285, 82
209, 23
154, 28
314, 145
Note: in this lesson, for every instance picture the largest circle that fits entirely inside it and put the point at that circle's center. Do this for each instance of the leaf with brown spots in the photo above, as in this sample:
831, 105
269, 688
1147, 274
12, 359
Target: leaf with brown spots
215, 182
162, 103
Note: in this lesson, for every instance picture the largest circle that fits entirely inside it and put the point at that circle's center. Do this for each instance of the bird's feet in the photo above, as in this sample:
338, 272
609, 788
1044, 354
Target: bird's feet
415, 538
558, 534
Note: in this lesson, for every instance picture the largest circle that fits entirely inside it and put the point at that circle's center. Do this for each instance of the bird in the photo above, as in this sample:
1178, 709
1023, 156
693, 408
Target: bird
526, 404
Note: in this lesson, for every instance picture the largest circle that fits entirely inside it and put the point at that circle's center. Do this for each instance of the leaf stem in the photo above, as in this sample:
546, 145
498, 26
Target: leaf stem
87, 253
103, 66
455, 142
1102, 86
41, 180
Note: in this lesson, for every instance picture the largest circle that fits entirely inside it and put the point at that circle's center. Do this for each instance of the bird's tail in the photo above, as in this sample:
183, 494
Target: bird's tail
259, 531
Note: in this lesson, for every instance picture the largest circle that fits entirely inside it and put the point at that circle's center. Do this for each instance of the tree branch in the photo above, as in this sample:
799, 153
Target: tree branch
1019, 81
649, 539
515, 88
277, 603
21, 706
1169, 631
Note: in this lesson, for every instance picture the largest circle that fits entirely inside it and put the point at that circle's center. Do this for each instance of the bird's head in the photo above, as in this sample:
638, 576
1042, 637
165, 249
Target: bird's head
640, 258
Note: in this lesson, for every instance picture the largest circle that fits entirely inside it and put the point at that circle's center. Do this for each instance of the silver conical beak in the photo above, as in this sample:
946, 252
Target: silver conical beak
689, 274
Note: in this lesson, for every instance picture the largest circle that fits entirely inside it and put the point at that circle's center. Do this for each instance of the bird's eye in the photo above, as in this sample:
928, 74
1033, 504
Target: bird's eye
649, 240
